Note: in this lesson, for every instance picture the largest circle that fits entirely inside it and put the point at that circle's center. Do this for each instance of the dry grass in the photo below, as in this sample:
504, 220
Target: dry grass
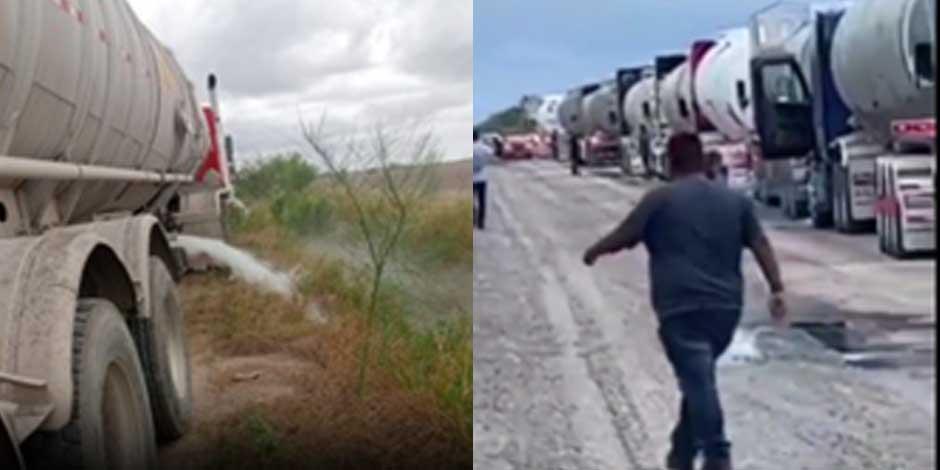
275, 389
303, 412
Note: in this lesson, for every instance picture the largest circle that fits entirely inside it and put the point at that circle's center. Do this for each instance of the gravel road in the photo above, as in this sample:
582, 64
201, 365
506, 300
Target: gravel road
569, 373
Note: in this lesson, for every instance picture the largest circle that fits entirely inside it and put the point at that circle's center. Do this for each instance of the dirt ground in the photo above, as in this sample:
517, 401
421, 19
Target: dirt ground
569, 374
285, 396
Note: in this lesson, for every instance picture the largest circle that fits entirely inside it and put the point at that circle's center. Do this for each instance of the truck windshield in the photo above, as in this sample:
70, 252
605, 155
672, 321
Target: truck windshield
782, 84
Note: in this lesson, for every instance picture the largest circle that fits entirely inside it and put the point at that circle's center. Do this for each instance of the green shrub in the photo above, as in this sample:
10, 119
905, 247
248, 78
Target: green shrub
273, 176
304, 213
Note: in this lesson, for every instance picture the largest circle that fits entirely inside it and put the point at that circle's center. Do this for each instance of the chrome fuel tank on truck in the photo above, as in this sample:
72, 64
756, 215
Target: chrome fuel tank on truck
874, 56
91, 86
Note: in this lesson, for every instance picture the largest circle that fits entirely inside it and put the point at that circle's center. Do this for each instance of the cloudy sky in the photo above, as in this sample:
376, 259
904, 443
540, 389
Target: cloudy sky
538, 46
359, 61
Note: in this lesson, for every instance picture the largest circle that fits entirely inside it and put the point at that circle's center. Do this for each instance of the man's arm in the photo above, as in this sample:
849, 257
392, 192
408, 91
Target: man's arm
629, 233
764, 253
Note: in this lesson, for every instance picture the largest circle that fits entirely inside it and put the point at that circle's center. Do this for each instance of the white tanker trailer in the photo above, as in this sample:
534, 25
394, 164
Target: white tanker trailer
600, 110
103, 150
602, 114
638, 105
574, 121
660, 126
856, 99
722, 110
677, 99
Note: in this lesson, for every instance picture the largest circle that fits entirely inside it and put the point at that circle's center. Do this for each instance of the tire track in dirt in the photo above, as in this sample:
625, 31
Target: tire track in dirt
570, 286
783, 413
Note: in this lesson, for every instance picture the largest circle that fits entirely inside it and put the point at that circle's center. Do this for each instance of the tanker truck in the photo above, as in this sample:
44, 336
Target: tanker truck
644, 116
638, 105
575, 124
850, 89
631, 160
721, 111
104, 156
601, 110
663, 65
542, 110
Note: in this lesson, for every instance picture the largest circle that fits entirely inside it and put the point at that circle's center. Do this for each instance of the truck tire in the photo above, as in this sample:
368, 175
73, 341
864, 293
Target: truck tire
165, 356
843, 187
786, 205
820, 219
899, 251
882, 237
111, 427
626, 163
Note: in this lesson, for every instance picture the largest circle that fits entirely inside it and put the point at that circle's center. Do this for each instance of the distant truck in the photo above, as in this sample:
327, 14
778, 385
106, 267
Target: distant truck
576, 124
850, 90
661, 127
105, 156
721, 106
638, 101
543, 111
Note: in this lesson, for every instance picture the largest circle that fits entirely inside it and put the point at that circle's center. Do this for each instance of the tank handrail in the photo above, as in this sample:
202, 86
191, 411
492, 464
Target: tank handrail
19, 168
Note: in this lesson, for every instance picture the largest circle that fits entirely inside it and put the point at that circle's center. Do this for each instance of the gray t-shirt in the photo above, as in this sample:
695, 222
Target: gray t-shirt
695, 231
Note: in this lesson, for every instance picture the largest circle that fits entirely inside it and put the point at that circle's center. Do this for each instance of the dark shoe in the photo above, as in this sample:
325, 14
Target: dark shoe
717, 464
676, 462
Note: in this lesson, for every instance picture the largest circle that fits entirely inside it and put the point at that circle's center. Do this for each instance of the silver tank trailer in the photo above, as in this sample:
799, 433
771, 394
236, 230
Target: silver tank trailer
873, 61
600, 110
570, 113
723, 75
92, 86
638, 105
676, 99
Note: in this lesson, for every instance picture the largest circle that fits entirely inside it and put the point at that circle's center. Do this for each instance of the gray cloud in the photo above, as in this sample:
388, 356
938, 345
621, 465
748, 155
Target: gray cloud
356, 60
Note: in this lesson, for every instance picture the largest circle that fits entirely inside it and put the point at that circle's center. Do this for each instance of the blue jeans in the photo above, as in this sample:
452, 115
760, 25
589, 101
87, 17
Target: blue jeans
693, 342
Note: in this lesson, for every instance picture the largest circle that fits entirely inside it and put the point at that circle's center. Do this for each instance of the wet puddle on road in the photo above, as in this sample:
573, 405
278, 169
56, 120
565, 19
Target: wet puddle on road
878, 340
860, 339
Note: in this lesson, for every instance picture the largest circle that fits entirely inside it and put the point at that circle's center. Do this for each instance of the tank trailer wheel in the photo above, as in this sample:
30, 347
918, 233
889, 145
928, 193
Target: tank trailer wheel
111, 427
165, 355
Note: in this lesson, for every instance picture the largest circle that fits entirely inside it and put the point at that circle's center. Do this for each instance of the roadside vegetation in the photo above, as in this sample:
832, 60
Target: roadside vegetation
370, 365
512, 120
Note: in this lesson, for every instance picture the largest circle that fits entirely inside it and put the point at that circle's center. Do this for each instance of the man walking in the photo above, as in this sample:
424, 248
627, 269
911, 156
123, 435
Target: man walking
481, 158
695, 231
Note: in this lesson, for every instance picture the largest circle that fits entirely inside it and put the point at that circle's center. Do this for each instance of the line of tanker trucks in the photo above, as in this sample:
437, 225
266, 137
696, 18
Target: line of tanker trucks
827, 110
105, 156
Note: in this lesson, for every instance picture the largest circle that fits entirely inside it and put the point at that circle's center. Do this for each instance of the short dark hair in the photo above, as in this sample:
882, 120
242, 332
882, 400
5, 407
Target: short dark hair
685, 153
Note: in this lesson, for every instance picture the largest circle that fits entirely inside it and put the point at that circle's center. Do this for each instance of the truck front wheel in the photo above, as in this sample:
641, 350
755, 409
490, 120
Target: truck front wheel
111, 427
165, 355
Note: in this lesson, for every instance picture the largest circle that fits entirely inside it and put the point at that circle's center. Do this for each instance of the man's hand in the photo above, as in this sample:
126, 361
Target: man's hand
590, 256
778, 309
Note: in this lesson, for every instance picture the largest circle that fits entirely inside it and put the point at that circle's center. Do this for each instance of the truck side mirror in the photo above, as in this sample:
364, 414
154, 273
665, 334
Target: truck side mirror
924, 63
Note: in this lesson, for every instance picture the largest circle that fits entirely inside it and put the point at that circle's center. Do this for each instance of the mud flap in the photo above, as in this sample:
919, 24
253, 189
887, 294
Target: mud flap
10, 456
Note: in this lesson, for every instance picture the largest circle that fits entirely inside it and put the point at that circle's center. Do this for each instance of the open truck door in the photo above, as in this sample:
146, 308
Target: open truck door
783, 108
